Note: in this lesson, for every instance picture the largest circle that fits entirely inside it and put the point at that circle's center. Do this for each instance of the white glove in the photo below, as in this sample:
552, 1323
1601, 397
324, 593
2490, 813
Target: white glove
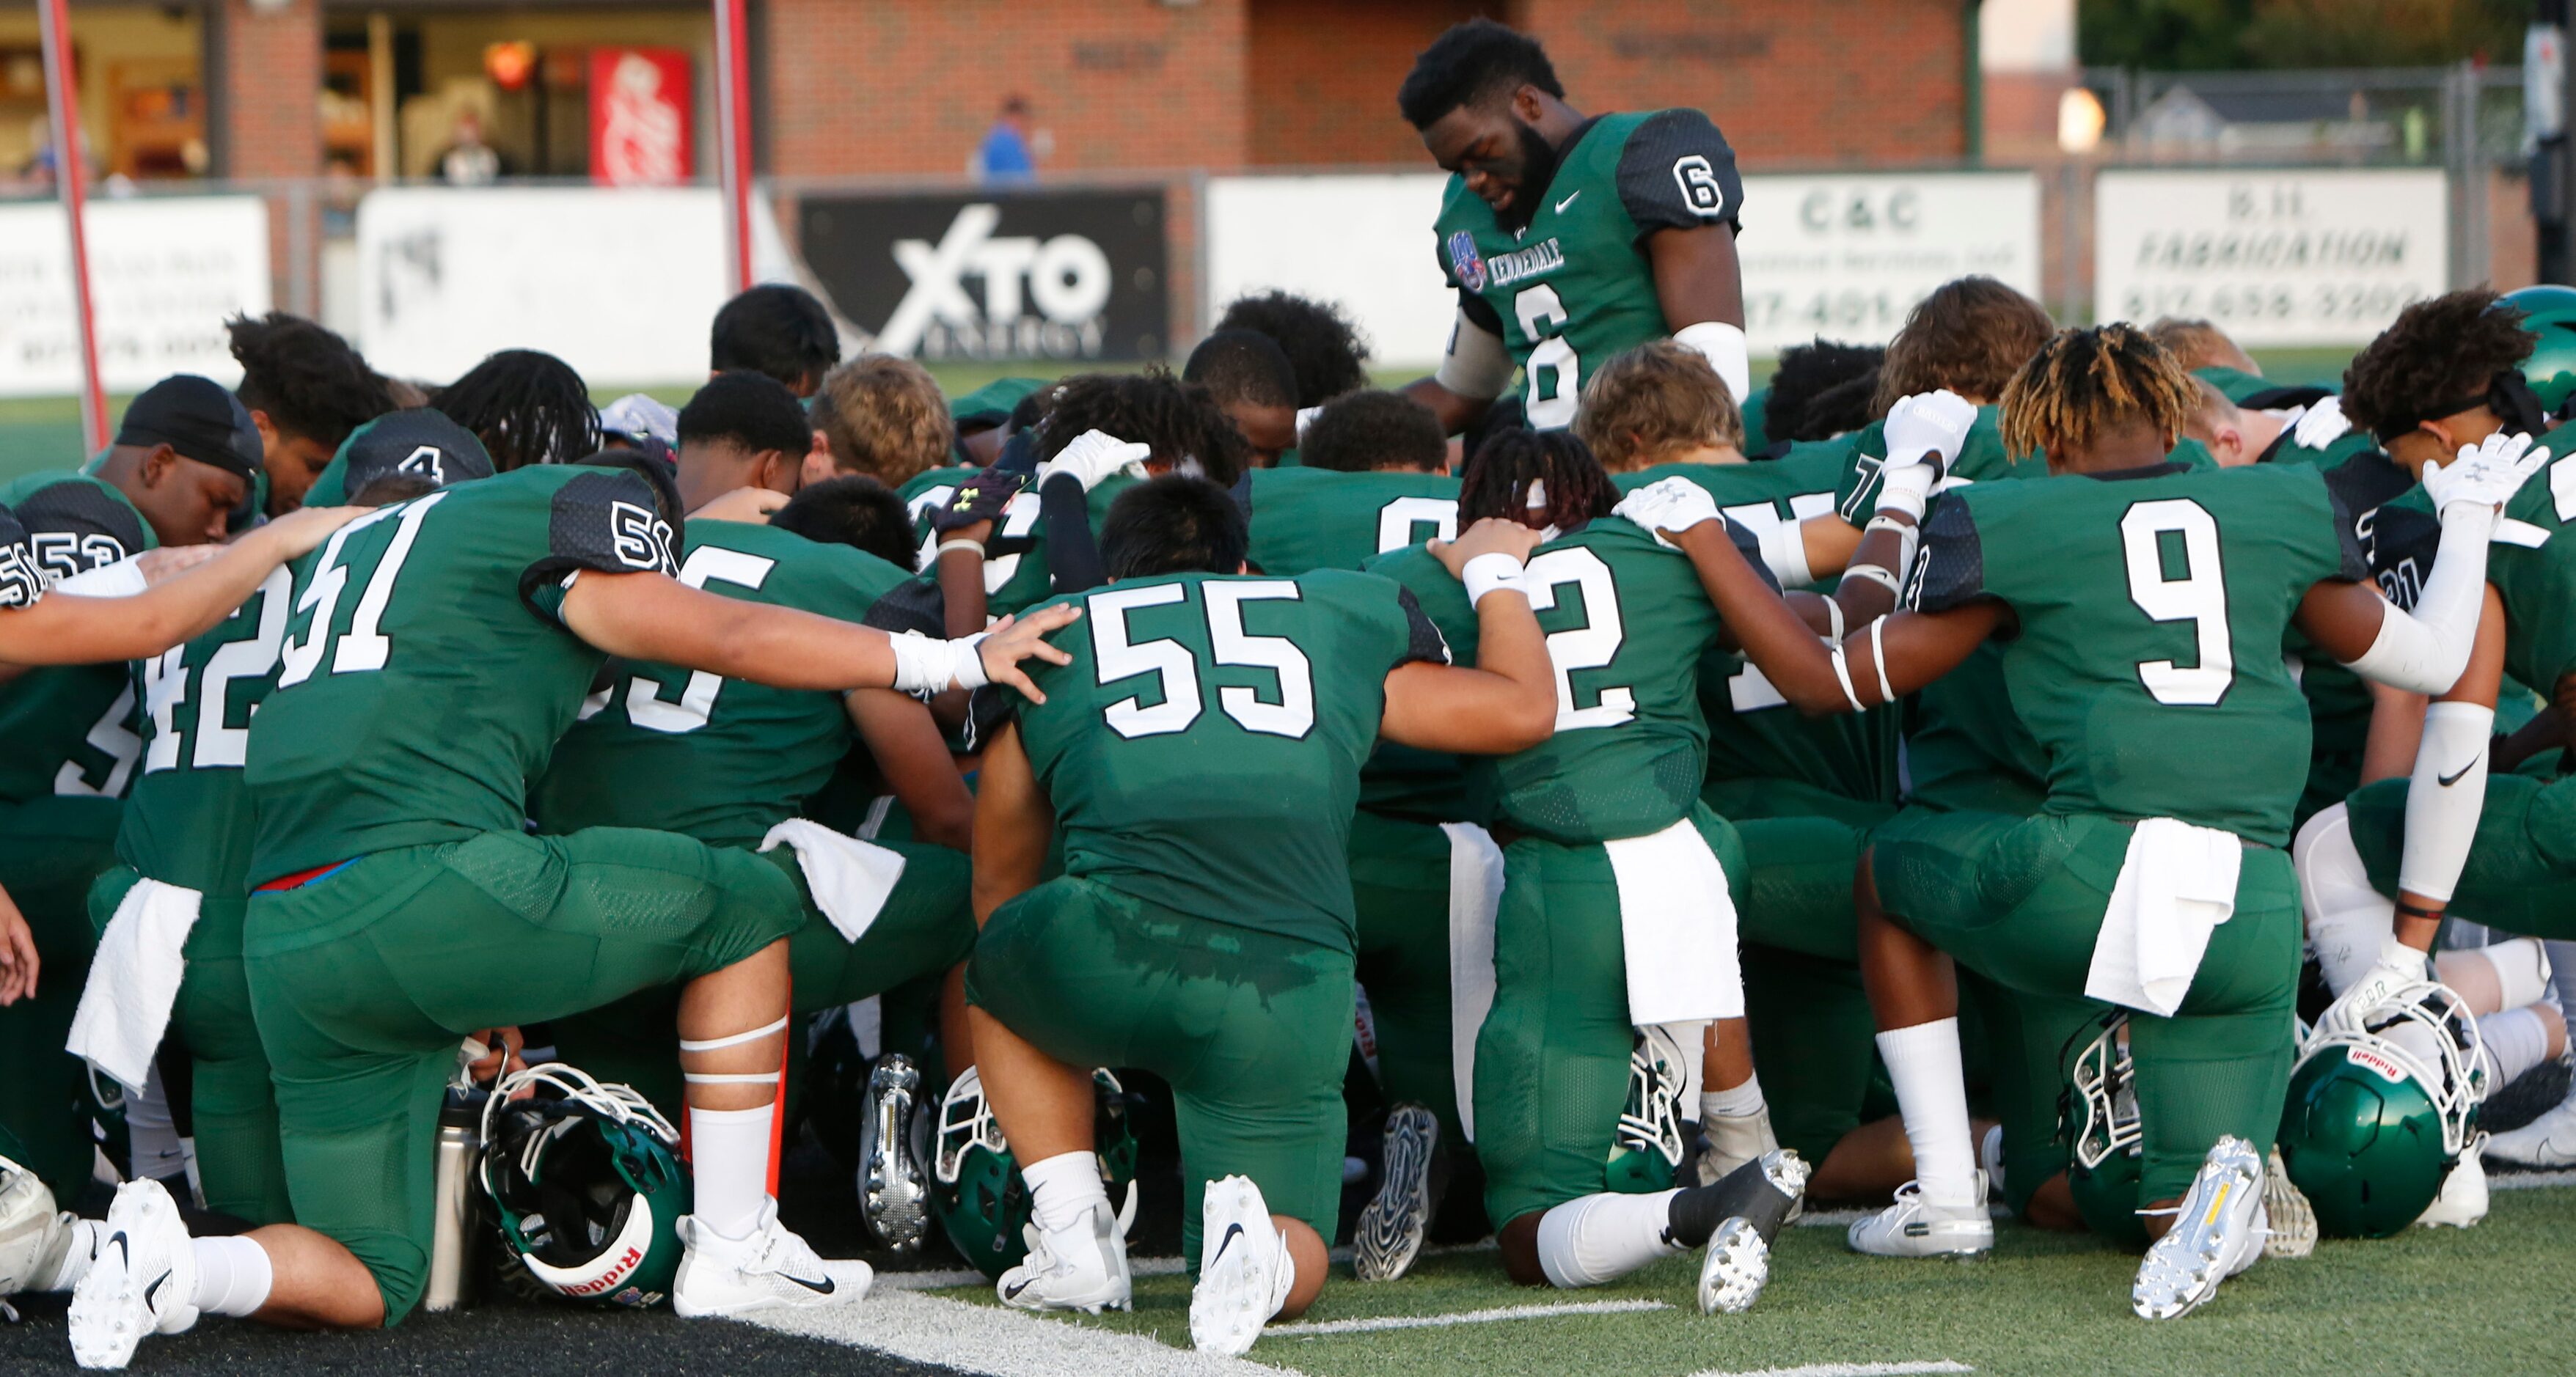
2487, 474
1670, 504
2321, 424
1093, 456
1925, 433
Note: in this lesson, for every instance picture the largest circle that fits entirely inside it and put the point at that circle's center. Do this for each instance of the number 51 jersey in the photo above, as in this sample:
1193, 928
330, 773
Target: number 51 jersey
1203, 749
2152, 604
426, 673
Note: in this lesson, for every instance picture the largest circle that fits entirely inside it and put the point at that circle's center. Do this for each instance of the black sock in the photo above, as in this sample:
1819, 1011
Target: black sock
1748, 1192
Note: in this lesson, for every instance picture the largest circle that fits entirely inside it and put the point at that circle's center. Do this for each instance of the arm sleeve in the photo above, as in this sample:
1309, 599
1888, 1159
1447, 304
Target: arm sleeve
1951, 569
1476, 364
21, 582
1676, 172
1072, 552
609, 520
2445, 798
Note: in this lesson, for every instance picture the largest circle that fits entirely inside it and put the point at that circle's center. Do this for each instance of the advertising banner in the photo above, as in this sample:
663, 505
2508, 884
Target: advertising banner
165, 272
639, 116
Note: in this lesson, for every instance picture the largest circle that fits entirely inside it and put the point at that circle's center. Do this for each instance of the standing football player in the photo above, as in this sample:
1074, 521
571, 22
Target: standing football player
1570, 238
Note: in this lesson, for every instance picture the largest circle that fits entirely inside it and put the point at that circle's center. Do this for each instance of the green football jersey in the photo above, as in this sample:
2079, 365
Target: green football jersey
1015, 563
1627, 625
2531, 564
426, 675
718, 759
1203, 748
1575, 288
1406, 782
1981, 460
188, 820
70, 728
2151, 608
2234, 385
1320, 519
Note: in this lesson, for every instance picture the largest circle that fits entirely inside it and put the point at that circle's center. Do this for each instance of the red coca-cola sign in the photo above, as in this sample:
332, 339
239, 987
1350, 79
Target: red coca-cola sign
639, 116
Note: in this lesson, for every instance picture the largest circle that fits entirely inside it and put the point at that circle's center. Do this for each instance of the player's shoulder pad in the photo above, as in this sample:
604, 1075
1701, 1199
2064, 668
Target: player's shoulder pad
84, 514
22, 581
606, 517
1950, 569
1677, 172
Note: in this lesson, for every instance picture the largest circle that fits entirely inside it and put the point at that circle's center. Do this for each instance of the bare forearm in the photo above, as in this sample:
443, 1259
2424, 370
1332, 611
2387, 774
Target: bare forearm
1772, 636
1456, 413
961, 592
1872, 574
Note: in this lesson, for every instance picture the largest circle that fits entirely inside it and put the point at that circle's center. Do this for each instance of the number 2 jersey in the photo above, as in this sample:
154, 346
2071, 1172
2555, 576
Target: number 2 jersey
1203, 749
1575, 288
426, 673
2151, 606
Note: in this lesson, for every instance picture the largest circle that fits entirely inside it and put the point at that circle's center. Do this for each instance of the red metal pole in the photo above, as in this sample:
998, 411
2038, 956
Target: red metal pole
733, 128
69, 174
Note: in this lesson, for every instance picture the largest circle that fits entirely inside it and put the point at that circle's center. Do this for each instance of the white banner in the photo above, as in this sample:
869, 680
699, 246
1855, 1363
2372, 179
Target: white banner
620, 283
2271, 257
1841, 256
165, 272
1846, 257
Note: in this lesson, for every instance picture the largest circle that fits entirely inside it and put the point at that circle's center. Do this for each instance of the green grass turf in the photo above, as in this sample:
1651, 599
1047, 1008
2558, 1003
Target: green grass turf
2489, 1300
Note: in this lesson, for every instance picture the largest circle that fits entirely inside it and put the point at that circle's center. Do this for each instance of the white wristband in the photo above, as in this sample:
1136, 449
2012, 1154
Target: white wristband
969, 668
922, 665
1834, 614
959, 543
1883, 578
1842, 675
1900, 491
1878, 658
1726, 350
1487, 573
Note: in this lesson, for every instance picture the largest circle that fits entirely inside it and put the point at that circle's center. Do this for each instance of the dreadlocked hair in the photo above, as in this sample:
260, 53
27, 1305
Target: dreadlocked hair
526, 407
307, 379
2436, 353
1573, 484
1174, 419
2086, 383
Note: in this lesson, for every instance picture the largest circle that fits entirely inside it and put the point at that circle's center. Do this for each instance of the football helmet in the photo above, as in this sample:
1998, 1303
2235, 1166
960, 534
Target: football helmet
1648, 1147
2549, 313
587, 1183
2098, 1119
982, 1202
2384, 1100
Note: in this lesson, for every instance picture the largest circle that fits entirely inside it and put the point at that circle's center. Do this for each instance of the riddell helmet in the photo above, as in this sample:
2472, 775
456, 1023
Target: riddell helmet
982, 1202
587, 1181
2382, 1104
2549, 313
1648, 1147
2098, 1118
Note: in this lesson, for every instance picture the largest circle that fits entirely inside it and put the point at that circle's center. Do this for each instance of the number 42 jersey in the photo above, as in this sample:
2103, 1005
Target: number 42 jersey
2151, 607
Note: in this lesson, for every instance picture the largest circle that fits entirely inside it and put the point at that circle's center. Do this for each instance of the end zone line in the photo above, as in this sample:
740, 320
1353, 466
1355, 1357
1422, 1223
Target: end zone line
1509, 1312
1846, 1370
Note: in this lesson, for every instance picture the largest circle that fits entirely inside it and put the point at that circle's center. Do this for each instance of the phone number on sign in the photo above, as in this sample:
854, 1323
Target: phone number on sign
2253, 301
1876, 313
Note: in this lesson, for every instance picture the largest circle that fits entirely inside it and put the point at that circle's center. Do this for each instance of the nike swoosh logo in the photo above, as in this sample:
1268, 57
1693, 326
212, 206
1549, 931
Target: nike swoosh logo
1017, 1287
1561, 205
154, 1289
2454, 776
824, 1287
1232, 1231
118, 1239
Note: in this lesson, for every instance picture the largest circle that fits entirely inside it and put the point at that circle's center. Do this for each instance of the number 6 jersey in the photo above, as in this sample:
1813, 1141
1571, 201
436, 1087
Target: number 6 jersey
2152, 603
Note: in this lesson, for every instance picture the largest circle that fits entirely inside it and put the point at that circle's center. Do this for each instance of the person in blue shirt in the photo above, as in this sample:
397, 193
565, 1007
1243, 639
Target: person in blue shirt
1005, 155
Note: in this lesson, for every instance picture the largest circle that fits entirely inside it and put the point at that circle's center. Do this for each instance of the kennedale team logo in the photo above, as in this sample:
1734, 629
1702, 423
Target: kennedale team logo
1466, 262
640, 539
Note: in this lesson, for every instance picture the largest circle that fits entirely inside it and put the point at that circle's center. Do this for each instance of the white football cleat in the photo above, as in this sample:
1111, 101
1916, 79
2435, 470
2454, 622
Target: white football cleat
1388, 1236
1734, 1269
2548, 1141
771, 1268
1915, 1227
1081, 1268
2463, 1200
2289, 1221
144, 1280
34, 1236
894, 1156
1244, 1269
2217, 1232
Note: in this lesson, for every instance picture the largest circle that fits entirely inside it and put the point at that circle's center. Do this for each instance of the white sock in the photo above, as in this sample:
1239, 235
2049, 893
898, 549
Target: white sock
1601, 1238
78, 1251
1932, 1094
2516, 1041
1737, 1122
1062, 1186
2348, 921
2521, 970
233, 1276
152, 1139
729, 1165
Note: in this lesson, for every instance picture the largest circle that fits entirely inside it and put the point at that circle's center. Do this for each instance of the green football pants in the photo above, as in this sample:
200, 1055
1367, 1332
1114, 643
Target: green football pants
925, 927
2020, 901
241, 1165
1552, 1059
51, 849
1400, 891
1252, 1030
2031, 1042
2521, 875
364, 981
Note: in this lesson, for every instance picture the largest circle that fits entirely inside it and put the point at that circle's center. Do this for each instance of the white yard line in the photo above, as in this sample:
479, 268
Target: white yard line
1005, 1343
2530, 1180
1509, 1312
1846, 1370
940, 1281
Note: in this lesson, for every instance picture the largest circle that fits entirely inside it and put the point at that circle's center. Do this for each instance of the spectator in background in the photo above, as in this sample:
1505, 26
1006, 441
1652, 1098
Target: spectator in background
306, 390
881, 416
1321, 343
468, 160
1248, 375
778, 330
1005, 155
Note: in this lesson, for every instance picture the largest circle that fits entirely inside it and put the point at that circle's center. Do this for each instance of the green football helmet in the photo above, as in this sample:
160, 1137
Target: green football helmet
2549, 313
587, 1183
1648, 1147
2383, 1102
2098, 1119
982, 1202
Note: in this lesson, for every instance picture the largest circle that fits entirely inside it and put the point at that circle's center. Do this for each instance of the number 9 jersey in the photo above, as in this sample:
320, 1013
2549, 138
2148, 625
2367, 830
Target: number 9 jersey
1575, 288
2152, 604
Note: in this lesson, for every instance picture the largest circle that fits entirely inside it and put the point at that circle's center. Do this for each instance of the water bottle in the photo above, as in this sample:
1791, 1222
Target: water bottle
455, 1243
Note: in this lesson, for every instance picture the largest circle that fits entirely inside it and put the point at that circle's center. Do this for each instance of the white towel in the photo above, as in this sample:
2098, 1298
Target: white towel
850, 879
2178, 882
1677, 922
1475, 895
133, 981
